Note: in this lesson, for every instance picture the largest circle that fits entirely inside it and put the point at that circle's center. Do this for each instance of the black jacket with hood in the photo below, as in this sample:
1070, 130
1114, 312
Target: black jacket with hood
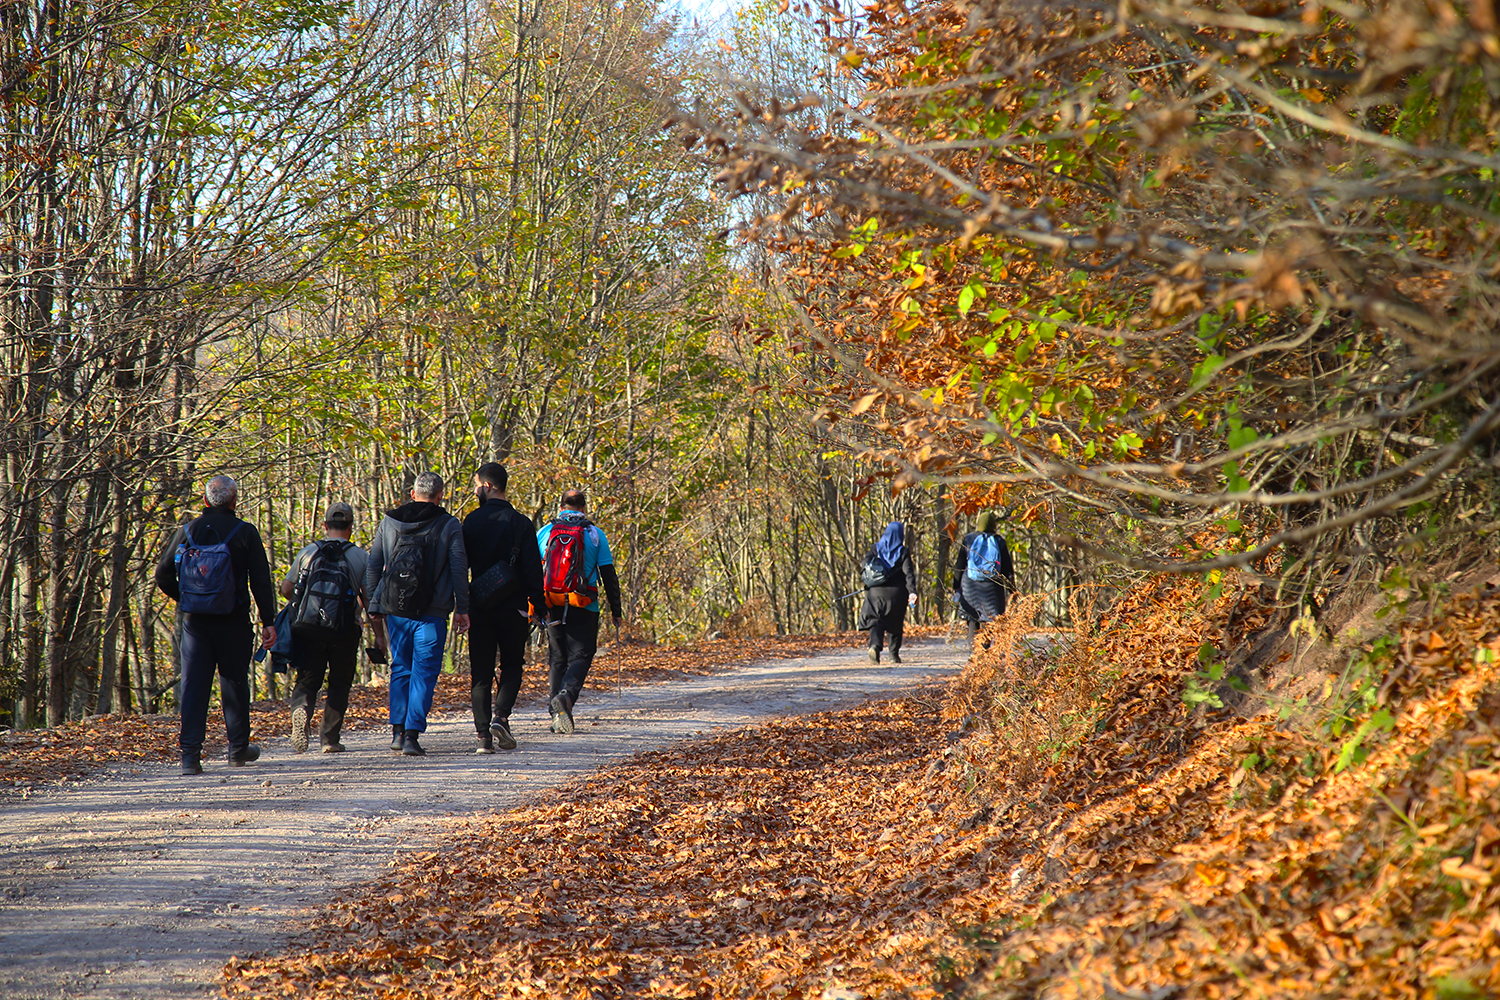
450, 568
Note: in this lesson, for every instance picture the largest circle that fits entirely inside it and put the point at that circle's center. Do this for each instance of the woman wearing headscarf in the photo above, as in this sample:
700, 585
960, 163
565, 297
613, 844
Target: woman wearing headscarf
890, 582
983, 576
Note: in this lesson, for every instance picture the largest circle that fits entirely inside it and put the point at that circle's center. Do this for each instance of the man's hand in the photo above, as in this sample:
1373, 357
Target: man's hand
460, 624
617, 631
377, 628
267, 636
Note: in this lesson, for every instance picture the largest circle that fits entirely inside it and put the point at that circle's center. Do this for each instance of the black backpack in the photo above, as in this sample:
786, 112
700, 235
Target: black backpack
407, 587
323, 600
875, 572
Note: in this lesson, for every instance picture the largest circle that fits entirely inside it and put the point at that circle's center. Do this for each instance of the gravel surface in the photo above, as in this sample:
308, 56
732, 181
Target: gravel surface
142, 882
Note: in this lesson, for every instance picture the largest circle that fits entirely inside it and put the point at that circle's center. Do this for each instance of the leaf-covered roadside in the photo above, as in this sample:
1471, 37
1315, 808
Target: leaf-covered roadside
1148, 850
1276, 862
39, 757
752, 863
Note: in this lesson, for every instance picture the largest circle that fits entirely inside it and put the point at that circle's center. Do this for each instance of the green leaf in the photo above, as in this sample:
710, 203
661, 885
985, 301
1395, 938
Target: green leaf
973, 290
1126, 443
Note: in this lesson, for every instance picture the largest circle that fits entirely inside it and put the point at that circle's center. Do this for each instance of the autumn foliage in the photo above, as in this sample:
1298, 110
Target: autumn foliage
1176, 266
912, 848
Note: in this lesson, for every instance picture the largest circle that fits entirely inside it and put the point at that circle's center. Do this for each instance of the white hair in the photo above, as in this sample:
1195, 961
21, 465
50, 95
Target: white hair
221, 491
428, 486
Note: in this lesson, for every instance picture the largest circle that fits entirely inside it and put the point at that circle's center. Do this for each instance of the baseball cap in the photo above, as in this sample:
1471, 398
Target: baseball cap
339, 513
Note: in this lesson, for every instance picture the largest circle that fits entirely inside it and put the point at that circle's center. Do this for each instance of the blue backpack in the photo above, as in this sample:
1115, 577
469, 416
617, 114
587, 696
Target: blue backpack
984, 559
205, 576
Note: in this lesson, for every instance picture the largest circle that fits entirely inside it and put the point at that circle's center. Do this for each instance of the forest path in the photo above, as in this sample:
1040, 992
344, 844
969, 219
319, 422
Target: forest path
141, 882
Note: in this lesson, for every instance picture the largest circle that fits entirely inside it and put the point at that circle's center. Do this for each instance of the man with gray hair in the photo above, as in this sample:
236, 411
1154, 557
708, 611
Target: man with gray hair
213, 566
416, 576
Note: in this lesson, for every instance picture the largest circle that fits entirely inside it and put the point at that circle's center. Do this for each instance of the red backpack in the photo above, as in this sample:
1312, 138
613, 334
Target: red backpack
563, 578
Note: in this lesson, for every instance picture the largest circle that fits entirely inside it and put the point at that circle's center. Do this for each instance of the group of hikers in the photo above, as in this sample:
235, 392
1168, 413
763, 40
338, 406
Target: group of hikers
983, 578
495, 576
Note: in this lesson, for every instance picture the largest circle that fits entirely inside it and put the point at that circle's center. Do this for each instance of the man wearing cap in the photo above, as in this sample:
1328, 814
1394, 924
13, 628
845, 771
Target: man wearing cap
337, 656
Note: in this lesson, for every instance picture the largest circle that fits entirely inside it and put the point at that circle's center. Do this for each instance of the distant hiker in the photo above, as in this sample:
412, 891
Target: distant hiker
890, 583
416, 577
326, 585
213, 565
983, 576
575, 560
506, 571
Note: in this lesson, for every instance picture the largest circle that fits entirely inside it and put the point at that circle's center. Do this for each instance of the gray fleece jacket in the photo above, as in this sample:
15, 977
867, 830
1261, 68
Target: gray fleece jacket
450, 576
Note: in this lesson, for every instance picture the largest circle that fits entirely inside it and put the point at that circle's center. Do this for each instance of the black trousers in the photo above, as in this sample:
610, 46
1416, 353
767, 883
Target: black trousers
880, 631
312, 659
572, 642
215, 643
492, 636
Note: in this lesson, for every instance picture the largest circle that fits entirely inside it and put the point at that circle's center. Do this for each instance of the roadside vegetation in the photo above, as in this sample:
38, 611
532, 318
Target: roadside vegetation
1023, 833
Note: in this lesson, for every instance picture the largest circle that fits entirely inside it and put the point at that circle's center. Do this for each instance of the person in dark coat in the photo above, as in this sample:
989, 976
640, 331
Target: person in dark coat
496, 532
983, 575
220, 642
884, 612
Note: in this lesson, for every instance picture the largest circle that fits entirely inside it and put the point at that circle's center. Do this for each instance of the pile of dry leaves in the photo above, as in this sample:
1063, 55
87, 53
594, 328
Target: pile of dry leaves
37, 757
1152, 851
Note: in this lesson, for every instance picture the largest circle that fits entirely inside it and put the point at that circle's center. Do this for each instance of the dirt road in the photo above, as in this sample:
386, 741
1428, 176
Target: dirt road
141, 882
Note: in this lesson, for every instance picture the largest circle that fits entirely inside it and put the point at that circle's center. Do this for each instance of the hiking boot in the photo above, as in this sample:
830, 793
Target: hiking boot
874, 655
398, 737
192, 763
500, 730
300, 725
334, 747
409, 745
249, 755
486, 743
562, 713
895, 655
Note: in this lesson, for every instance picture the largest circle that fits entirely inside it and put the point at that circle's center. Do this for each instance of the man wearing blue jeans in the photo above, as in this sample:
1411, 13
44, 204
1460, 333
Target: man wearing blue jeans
417, 575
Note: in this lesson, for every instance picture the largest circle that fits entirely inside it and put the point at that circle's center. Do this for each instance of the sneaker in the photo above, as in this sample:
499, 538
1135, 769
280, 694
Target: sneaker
486, 744
409, 745
895, 656
334, 747
500, 730
398, 737
300, 723
192, 764
249, 755
874, 655
562, 714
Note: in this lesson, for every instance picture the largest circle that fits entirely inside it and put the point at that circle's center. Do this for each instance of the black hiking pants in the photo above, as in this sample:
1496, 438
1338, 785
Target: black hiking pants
215, 643
572, 642
312, 659
493, 637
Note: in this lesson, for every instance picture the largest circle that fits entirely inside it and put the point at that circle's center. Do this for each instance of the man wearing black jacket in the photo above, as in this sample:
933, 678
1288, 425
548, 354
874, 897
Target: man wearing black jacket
221, 642
497, 533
